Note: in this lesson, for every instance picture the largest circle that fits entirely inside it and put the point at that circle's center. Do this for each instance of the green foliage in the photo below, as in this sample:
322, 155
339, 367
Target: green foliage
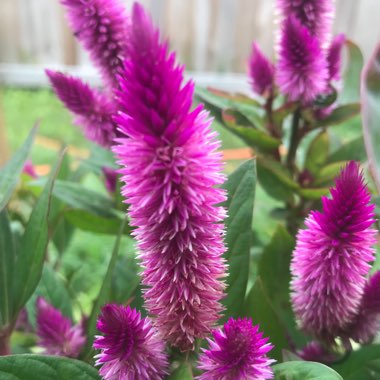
240, 187
182, 372
300, 370
36, 367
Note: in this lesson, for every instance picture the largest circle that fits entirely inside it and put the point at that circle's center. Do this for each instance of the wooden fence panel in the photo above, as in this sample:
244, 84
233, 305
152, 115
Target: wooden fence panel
211, 35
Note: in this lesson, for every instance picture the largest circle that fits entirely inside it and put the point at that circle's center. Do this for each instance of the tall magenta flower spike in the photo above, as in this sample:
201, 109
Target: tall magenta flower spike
261, 71
237, 351
331, 259
130, 346
302, 68
316, 15
91, 109
334, 56
170, 167
367, 323
56, 334
101, 27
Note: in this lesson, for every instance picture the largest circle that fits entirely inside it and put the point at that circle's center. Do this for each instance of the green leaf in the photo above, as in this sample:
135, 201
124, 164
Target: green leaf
256, 139
240, 187
339, 115
260, 309
183, 372
371, 113
7, 268
328, 173
30, 258
313, 193
275, 276
103, 295
53, 288
351, 78
87, 221
78, 197
10, 173
275, 179
352, 150
301, 370
42, 367
317, 152
363, 364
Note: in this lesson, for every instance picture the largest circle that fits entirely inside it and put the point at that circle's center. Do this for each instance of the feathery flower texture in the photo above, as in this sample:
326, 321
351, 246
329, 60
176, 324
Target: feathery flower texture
130, 347
334, 56
261, 71
315, 15
101, 26
56, 334
302, 67
170, 168
238, 351
332, 258
92, 110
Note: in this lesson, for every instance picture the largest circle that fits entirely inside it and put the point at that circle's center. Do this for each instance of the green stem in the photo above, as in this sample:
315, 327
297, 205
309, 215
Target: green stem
294, 140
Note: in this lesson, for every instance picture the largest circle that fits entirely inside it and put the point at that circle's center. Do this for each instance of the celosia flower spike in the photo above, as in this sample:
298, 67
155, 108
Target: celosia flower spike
130, 347
238, 351
91, 109
331, 259
315, 15
56, 334
101, 27
302, 68
170, 167
367, 323
316, 352
334, 58
261, 71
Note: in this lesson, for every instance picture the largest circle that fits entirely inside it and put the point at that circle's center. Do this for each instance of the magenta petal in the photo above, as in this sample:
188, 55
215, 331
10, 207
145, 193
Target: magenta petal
56, 333
238, 351
261, 71
315, 15
101, 27
332, 258
302, 67
130, 346
91, 109
367, 323
334, 56
171, 167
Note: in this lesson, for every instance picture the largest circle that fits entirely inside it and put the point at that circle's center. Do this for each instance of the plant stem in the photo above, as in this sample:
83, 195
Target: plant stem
5, 348
294, 140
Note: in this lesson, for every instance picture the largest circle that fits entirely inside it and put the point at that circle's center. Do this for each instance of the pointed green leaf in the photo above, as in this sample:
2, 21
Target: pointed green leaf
371, 113
339, 115
301, 370
103, 295
313, 193
352, 150
317, 152
7, 268
258, 306
43, 367
30, 258
241, 193
10, 173
351, 77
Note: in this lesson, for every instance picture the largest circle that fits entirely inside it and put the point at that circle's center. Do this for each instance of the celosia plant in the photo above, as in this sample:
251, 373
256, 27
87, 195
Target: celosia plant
207, 281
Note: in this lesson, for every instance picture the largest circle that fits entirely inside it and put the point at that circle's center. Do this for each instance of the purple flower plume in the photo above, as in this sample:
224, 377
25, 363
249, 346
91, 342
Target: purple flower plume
110, 179
130, 346
302, 68
56, 334
334, 58
331, 259
238, 351
170, 167
316, 352
261, 71
91, 109
367, 323
101, 27
315, 15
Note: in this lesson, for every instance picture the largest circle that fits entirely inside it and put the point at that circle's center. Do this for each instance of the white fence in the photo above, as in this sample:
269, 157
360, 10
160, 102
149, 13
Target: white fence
209, 35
